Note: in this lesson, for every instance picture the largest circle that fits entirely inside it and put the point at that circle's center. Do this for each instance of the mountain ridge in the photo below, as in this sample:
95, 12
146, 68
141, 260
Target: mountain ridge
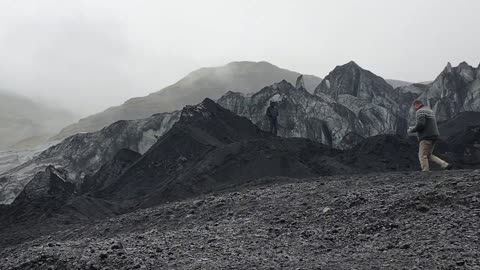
210, 82
25, 122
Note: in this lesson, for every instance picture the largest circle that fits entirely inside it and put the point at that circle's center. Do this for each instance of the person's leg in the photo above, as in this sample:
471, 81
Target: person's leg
436, 159
271, 125
423, 153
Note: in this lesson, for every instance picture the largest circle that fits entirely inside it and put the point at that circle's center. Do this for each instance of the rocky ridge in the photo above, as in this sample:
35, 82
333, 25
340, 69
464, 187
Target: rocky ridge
455, 90
349, 105
212, 82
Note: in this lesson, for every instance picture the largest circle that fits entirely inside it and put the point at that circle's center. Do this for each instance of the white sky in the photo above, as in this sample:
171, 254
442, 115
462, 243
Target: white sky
88, 55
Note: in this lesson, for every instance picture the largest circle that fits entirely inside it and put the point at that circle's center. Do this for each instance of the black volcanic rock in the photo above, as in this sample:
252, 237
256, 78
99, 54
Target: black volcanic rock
384, 153
211, 149
465, 147
405, 220
83, 154
45, 193
51, 182
460, 142
110, 171
459, 124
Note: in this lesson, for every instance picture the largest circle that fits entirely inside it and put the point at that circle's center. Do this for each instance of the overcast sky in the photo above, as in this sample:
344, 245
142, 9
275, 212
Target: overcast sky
88, 55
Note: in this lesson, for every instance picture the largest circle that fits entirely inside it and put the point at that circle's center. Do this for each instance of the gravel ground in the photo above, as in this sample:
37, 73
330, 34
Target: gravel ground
407, 220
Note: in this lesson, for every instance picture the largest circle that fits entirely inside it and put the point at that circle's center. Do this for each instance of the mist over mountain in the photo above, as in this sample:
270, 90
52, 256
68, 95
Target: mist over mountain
25, 123
213, 82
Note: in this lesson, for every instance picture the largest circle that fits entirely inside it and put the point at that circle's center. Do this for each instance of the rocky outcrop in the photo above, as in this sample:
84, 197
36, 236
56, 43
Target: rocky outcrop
300, 83
51, 182
350, 79
245, 77
84, 153
301, 114
109, 171
44, 194
455, 90
350, 104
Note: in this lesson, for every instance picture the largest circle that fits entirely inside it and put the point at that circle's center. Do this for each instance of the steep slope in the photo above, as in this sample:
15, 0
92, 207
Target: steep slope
46, 192
84, 153
455, 90
375, 221
211, 148
110, 171
244, 77
368, 95
351, 79
23, 119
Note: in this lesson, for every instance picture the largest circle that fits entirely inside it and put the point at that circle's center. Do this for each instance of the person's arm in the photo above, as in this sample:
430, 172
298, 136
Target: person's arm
421, 120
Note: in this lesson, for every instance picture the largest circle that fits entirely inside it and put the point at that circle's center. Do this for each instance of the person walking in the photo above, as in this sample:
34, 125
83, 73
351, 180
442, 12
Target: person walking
272, 114
428, 134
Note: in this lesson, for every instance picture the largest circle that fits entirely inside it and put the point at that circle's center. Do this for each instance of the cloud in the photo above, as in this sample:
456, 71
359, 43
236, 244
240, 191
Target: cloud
88, 55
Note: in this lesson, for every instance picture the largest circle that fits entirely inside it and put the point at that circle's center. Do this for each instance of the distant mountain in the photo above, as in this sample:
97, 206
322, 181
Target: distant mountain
26, 123
212, 82
397, 83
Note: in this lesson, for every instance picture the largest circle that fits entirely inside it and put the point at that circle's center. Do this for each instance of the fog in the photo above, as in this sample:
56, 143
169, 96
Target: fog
89, 55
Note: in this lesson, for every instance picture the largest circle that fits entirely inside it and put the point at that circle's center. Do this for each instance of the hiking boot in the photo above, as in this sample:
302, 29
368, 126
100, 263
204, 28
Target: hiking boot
449, 167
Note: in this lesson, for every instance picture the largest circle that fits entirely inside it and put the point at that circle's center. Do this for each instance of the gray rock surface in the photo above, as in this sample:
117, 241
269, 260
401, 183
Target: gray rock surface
455, 90
350, 104
22, 120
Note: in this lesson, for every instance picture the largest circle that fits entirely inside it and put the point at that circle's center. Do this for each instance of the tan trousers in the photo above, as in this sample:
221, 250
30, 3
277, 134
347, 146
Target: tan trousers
425, 154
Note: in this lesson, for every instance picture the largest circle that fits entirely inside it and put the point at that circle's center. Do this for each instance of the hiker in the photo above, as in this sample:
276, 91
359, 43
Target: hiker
272, 114
427, 133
